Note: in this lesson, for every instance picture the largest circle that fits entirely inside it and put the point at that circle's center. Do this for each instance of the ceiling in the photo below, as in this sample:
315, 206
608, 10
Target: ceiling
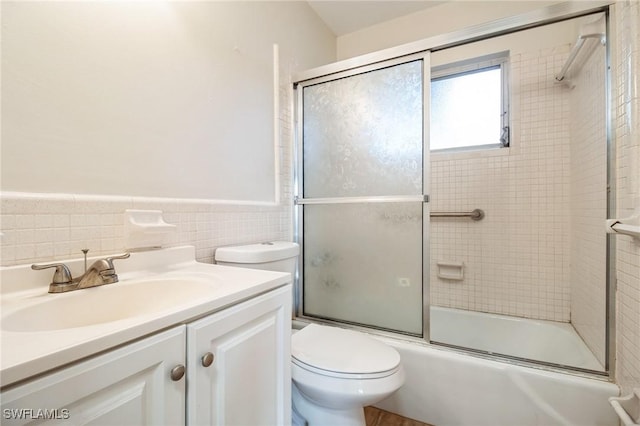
347, 16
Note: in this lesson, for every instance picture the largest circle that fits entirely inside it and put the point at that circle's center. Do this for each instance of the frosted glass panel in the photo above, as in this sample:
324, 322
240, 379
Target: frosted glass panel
363, 134
466, 110
363, 264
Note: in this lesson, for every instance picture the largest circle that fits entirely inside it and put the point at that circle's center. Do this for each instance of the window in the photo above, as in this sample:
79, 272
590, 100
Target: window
469, 108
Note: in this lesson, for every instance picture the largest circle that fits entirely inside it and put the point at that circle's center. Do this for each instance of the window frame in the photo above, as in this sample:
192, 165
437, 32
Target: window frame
479, 64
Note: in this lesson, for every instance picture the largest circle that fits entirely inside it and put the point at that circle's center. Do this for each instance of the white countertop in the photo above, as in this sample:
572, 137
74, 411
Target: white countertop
27, 353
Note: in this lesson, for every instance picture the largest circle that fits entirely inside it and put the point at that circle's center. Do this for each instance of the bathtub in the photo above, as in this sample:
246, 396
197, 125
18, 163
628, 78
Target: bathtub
445, 387
546, 341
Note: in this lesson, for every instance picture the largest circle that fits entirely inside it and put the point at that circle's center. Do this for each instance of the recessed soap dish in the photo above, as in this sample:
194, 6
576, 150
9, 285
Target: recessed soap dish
452, 271
145, 229
628, 408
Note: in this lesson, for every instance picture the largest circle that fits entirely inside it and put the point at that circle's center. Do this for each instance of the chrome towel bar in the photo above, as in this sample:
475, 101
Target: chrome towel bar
591, 30
476, 214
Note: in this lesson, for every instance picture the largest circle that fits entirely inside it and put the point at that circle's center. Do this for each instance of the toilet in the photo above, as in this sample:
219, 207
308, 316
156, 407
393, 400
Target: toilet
335, 372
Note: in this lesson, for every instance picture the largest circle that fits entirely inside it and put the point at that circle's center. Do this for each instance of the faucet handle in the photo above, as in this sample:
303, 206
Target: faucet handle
119, 256
106, 269
110, 259
62, 275
105, 266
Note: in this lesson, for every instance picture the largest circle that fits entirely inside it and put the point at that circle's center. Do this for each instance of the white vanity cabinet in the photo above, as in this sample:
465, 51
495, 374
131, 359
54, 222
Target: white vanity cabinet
130, 385
237, 372
241, 364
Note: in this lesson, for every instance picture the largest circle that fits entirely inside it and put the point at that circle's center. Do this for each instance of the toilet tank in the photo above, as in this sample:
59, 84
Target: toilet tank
281, 256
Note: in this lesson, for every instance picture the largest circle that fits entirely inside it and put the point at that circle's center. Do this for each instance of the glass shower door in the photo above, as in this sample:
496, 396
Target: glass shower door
363, 210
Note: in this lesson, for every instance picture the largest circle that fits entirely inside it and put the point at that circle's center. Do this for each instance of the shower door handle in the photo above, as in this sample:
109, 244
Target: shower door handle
363, 200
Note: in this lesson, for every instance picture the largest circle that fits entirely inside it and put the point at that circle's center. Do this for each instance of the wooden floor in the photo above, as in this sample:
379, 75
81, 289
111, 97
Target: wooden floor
376, 417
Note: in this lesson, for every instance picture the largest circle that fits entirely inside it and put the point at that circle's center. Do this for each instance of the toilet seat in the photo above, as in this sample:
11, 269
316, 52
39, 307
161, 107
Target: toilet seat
346, 354
351, 376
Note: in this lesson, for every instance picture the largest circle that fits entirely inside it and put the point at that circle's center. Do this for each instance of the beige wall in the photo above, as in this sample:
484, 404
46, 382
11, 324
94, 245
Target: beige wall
441, 19
157, 76
156, 99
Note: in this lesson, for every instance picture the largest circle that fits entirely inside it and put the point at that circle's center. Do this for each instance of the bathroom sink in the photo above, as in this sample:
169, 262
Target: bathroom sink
107, 303
160, 289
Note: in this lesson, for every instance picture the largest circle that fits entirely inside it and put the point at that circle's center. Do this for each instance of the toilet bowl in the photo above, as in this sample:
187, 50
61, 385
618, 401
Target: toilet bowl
335, 372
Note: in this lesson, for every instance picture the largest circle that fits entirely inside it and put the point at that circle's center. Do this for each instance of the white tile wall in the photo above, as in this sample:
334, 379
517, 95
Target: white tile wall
40, 228
589, 201
46, 227
626, 80
516, 258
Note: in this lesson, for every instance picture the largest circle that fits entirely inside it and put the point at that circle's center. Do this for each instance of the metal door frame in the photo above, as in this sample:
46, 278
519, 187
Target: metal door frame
300, 201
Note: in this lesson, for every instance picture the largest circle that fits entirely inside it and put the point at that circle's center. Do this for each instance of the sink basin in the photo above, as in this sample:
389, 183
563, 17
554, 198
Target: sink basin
98, 305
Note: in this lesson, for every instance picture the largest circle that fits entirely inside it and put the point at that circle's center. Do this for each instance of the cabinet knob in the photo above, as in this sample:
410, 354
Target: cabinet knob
207, 359
177, 372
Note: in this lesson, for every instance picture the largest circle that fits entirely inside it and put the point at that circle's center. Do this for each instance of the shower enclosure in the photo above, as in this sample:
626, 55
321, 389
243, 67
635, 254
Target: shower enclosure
364, 197
467, 218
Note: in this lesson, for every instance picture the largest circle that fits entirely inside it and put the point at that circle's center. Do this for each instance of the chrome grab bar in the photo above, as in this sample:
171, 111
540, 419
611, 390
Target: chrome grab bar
476, 214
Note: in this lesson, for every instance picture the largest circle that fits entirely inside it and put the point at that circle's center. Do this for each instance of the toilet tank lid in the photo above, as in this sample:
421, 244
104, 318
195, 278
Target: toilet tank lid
258, 253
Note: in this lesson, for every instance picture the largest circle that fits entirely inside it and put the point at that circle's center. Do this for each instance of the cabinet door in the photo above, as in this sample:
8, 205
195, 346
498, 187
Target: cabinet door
127, 386
249, 381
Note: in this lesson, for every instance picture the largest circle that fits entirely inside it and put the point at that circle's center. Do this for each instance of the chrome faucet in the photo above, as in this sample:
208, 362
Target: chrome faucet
99, 273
